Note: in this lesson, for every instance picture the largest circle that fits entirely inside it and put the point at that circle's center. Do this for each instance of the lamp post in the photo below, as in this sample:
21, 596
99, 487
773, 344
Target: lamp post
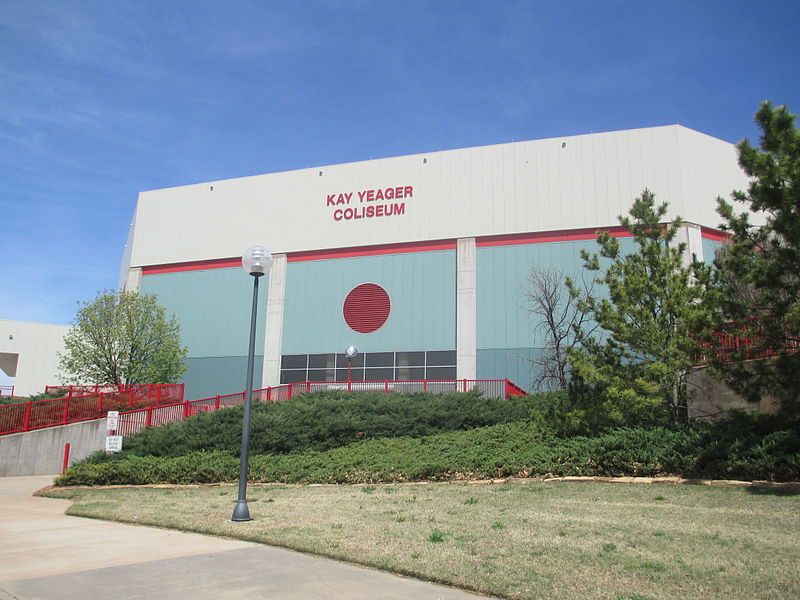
350, 352
256, 261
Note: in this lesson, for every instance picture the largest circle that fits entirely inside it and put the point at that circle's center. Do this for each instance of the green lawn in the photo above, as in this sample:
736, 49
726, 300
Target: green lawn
554, 540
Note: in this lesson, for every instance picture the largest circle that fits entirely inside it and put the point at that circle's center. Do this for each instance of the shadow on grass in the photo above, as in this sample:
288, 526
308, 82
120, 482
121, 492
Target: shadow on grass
774, 491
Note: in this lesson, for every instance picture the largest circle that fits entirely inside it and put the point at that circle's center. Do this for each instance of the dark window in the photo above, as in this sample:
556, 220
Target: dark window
356, 375
357, 360
321, 375
410, 373
380, 359
321, 361
379, 374
441, 358
294, 361
440, 373
293, 376
409, 359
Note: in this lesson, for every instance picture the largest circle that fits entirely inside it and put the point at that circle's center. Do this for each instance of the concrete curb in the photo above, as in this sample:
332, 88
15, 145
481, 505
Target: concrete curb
787, 485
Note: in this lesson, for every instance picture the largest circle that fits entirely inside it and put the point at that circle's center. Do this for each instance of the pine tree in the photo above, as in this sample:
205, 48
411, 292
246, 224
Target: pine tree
633, 369
765, 260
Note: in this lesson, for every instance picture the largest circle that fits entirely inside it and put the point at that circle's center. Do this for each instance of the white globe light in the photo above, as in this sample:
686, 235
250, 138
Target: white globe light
256, 261
351, 351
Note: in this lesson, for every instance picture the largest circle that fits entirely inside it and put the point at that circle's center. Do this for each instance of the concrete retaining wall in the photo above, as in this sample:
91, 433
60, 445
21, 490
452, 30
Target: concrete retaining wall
41, 452
712, 398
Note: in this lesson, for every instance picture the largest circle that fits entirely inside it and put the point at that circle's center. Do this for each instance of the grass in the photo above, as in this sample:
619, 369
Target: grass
533, 540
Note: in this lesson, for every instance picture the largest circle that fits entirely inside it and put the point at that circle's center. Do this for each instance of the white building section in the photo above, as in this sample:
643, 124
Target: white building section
554, 184
29, 353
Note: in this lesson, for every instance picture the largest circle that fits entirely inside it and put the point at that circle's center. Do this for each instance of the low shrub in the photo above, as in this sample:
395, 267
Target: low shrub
325, 420
743, 447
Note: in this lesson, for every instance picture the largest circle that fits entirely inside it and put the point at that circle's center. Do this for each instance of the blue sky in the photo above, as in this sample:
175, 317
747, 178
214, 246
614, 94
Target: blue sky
102, 100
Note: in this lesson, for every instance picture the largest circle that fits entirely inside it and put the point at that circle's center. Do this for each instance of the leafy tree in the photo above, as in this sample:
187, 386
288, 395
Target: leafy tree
123, 338
634, 368
765, 259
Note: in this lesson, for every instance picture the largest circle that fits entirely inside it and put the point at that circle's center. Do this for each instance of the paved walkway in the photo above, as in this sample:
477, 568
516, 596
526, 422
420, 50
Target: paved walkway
45, 555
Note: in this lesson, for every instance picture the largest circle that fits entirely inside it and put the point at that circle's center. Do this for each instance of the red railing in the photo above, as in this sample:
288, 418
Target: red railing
131, 422
26, 416
743, 340
83, 390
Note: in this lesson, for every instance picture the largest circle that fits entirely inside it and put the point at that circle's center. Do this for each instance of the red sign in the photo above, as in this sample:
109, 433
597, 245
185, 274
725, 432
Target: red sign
366, 204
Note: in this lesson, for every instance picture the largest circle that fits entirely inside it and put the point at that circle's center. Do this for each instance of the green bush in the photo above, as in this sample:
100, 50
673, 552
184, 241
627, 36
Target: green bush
325, 420
4, 400
742, 447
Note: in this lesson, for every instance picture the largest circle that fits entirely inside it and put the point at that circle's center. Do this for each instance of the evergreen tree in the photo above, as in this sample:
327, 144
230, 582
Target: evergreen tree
765, 260
123, 338
634, 367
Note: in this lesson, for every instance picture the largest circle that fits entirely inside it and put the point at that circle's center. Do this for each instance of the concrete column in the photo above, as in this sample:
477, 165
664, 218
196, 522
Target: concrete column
273, 338
466, 313
133, 282
691, 235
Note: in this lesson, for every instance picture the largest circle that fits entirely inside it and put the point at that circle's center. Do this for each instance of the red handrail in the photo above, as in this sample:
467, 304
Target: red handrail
159, 404
25, 416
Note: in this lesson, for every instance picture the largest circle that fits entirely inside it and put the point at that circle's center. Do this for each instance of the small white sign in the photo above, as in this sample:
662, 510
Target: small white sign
113, 420
113, 443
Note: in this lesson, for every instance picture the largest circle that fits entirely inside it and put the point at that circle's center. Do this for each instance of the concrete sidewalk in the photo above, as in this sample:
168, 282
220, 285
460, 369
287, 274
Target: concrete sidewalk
45, 555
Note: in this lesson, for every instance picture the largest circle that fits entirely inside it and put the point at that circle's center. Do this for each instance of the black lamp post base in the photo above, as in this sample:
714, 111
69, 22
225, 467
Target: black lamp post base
240, 512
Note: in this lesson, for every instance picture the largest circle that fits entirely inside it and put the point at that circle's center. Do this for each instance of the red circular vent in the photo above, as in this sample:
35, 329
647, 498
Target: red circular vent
366, 308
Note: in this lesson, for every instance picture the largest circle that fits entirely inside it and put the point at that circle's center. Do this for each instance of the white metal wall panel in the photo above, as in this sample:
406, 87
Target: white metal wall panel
543, 185
38, 346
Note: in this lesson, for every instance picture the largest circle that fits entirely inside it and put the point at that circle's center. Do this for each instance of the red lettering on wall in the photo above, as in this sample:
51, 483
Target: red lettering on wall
374, 195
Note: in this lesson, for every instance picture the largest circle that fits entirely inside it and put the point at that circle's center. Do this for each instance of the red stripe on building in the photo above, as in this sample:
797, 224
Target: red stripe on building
372, 250
543, 237
217, 263
715, 235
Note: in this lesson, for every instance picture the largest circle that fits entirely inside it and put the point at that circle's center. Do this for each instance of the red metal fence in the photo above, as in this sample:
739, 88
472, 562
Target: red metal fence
71, 409
743, 340
149, 406
83, 390
131, 422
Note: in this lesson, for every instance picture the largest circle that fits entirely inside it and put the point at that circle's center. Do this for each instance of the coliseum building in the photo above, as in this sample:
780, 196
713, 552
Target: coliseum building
418, 261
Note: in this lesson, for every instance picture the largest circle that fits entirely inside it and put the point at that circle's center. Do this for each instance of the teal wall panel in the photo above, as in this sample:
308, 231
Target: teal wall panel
213, 307
206, 377
421, 286
513, 364
503, 321
709, 250
507, 333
